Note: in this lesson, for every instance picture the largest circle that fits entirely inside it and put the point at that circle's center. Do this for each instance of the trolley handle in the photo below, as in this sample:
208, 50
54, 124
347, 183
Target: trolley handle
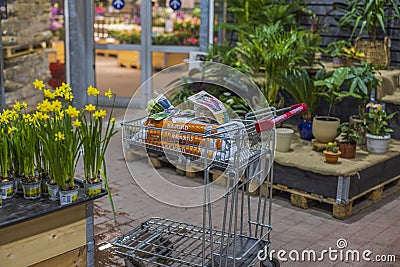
266, 125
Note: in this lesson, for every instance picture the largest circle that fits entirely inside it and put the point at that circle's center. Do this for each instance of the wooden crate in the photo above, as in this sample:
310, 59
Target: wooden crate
46, 240
58, 46
128, 59
175, 58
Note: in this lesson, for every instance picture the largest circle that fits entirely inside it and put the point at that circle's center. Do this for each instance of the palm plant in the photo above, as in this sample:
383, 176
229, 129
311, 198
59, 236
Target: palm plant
368, 15
273, 50
300, 85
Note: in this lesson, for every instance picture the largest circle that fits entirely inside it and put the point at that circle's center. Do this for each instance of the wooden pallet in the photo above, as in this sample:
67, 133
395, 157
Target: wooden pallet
106, 53
19, 50
342, 211
158, 162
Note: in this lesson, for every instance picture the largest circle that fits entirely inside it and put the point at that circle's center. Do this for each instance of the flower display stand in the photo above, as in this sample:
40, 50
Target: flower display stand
348, 186
43, 233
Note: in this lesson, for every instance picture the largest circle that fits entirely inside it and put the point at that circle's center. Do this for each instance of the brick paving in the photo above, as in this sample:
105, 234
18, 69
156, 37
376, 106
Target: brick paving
375, 228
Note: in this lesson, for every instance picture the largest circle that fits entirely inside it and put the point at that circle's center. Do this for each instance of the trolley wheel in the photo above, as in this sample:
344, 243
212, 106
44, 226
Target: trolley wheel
270, 263
129, 262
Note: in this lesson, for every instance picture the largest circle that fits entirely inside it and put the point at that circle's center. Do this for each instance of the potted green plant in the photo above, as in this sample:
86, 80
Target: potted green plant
95, 142
369, 16
325, 127
348, 140
376, 121
363, 81
335, 50
300, 85
332, 153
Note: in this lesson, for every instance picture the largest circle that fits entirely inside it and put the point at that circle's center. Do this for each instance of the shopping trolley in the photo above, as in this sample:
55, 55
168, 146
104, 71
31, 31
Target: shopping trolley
244, 150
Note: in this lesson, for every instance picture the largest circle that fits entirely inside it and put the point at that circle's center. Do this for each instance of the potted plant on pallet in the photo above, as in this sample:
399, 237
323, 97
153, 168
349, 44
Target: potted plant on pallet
300, 85
335, 50
348, 140
370, 15
376, 121
95, 142
332, 153
363, 83
325, 127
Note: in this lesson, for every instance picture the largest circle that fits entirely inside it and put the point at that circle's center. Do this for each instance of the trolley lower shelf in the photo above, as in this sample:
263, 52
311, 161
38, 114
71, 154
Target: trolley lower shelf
165, 242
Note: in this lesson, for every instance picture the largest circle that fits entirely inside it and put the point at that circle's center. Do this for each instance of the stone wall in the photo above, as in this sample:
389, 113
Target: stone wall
25, 60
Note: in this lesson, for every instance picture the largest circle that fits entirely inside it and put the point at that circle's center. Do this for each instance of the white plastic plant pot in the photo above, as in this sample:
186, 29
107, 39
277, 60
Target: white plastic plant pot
284, 138
31, 190
92, 190
52, 190
68, 197
8, 189
377, 144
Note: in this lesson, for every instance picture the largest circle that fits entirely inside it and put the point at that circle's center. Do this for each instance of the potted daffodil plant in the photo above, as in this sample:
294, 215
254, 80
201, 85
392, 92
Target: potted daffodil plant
95, 141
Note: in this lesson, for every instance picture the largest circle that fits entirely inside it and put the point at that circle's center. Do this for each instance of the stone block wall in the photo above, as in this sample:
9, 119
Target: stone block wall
25, 29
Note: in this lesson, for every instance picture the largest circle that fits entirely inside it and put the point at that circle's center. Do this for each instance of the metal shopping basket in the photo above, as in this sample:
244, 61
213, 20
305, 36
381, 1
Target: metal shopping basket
244, 150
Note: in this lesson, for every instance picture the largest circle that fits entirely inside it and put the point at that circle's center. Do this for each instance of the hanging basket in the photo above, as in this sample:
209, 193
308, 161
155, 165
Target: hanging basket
376, 53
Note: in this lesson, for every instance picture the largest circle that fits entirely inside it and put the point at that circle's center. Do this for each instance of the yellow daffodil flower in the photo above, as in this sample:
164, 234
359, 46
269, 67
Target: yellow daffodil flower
100, 114
4, 118
24, 105
90, 108
61, 114
92, 91
11, 130
38, 84
49, 94
77, 123
17, 106
60, 136
45, 116
108, 94
13, 115
68, 96
72, 112
112, 120
45, 106
56, 105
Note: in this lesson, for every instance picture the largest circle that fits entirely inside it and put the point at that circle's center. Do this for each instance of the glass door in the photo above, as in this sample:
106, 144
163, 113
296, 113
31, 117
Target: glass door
138, 40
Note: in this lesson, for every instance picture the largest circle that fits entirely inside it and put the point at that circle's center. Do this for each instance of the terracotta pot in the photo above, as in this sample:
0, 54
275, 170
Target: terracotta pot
331, 157
324, 128
348, 150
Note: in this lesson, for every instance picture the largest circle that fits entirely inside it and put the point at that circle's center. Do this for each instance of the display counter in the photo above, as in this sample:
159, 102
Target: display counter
42, 233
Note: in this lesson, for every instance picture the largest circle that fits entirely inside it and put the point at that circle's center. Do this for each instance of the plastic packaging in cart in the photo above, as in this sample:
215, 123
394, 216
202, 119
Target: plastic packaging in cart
206, 105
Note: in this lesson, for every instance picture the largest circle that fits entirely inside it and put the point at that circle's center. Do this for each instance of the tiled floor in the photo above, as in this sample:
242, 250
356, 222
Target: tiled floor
376, 228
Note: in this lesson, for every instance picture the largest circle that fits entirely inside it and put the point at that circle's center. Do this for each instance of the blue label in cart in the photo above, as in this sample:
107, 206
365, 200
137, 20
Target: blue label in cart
164, 102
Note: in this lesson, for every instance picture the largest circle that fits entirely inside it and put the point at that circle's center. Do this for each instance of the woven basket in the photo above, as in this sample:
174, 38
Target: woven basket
376, 53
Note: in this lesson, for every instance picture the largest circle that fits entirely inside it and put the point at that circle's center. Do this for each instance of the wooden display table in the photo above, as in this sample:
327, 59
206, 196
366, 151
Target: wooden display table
43, 233
303, 173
